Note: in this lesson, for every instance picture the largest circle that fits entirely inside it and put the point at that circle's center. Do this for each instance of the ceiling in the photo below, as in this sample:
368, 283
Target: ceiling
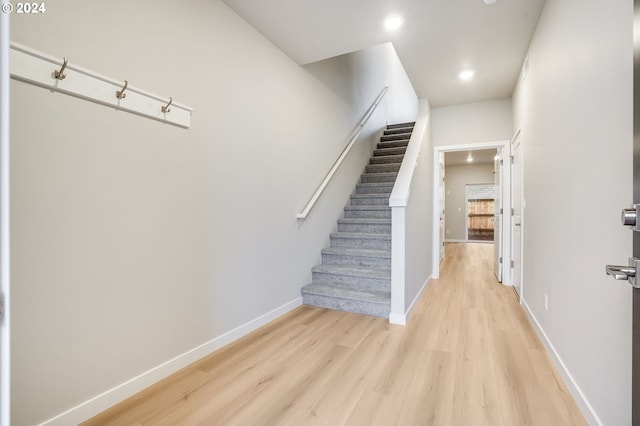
438, 39
480, 156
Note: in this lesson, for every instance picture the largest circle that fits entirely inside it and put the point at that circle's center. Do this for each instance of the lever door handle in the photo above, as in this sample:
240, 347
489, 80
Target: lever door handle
621, 272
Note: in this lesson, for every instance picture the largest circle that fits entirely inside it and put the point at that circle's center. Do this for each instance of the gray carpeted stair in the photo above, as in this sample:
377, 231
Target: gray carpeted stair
355, 274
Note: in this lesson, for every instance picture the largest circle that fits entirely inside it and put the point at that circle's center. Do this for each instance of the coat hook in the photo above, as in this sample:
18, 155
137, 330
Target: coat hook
120, 94
59, 75
165, 109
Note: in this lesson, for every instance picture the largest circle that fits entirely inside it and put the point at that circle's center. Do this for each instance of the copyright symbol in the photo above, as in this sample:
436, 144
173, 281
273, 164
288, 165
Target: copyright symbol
7, 7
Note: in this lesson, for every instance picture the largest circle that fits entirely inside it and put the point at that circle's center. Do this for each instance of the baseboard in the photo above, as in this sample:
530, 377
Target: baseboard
402, 319
585, 407
468, 241
98, 404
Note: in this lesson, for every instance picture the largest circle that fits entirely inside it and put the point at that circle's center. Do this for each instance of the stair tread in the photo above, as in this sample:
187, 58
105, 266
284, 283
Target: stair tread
372, 195
392, 144
398, 157
360, 235
383, 174
367, 207
357, 252
373, 184
373, 296
365, 221
384, 152
401, 125
380, 165
353, 271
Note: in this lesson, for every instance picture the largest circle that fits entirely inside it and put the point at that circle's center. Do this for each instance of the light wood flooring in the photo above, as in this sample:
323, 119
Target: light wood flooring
467, 357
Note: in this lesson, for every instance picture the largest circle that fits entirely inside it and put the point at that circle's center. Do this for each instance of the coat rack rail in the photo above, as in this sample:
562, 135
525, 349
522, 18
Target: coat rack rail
34, 67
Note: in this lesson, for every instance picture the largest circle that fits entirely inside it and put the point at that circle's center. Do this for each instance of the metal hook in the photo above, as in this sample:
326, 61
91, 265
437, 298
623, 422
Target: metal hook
165, 109
59, 75
120, 94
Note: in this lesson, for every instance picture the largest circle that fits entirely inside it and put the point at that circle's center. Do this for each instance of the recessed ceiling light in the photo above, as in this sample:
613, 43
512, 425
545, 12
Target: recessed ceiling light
466, 74
393, 22
489, 1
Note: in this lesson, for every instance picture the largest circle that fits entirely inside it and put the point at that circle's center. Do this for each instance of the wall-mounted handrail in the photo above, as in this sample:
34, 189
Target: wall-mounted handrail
343, 154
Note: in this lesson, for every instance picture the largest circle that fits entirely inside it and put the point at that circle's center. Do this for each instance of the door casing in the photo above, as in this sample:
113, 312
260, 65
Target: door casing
505, 146
517, 215
5, 386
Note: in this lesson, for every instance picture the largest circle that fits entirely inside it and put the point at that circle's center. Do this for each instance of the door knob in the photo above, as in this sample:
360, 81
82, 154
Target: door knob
625, 272
629, 217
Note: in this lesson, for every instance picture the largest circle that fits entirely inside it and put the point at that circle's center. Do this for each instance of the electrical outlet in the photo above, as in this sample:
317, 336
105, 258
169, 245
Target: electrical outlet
546, 302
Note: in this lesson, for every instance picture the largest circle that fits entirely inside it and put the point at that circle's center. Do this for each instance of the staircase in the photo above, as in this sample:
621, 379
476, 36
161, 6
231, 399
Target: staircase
355, 274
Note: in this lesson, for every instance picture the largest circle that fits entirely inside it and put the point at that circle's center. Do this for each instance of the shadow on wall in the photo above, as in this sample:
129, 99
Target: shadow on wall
367, 71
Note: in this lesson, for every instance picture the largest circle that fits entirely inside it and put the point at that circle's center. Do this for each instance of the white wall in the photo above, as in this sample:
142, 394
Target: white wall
456, 178
575, 112
472, 123
134, 242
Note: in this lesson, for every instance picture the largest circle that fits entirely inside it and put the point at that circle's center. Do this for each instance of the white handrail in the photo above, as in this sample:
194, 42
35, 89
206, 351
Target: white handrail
345, 151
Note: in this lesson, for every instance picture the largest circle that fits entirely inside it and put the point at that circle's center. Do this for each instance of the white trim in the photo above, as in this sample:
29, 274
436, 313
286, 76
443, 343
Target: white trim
585, 407
518, 137
415, 300
398, 201
101, 402
402, 187
398, 227
506, 222
397, 319
37, 68
5, 333
403, 319
469, 241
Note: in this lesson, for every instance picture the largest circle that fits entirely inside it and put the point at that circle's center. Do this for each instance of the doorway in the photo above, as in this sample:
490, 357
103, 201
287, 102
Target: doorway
501, 180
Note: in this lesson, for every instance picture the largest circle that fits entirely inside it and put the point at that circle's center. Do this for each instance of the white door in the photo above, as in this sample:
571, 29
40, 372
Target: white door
516, 214
497, 215
441, 210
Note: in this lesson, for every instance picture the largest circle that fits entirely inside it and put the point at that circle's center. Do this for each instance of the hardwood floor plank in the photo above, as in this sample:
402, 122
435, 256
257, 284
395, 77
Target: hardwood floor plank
468, 356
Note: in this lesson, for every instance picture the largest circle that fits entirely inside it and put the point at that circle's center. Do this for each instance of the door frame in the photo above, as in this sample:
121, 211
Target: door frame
5, 383
518, 138
505, 190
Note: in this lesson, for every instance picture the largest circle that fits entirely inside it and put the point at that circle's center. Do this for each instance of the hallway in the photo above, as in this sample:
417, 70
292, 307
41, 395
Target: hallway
467, 357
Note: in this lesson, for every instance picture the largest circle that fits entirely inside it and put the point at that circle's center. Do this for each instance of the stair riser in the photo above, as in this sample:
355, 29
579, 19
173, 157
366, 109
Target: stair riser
355, 283
346, 305
400, 125
372, 178
386, 189
394, 137
373, 201
382, 168
399, 130
357, 243
386, 159
366, 261
368, 214
367, 228
389, 151
395, 144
